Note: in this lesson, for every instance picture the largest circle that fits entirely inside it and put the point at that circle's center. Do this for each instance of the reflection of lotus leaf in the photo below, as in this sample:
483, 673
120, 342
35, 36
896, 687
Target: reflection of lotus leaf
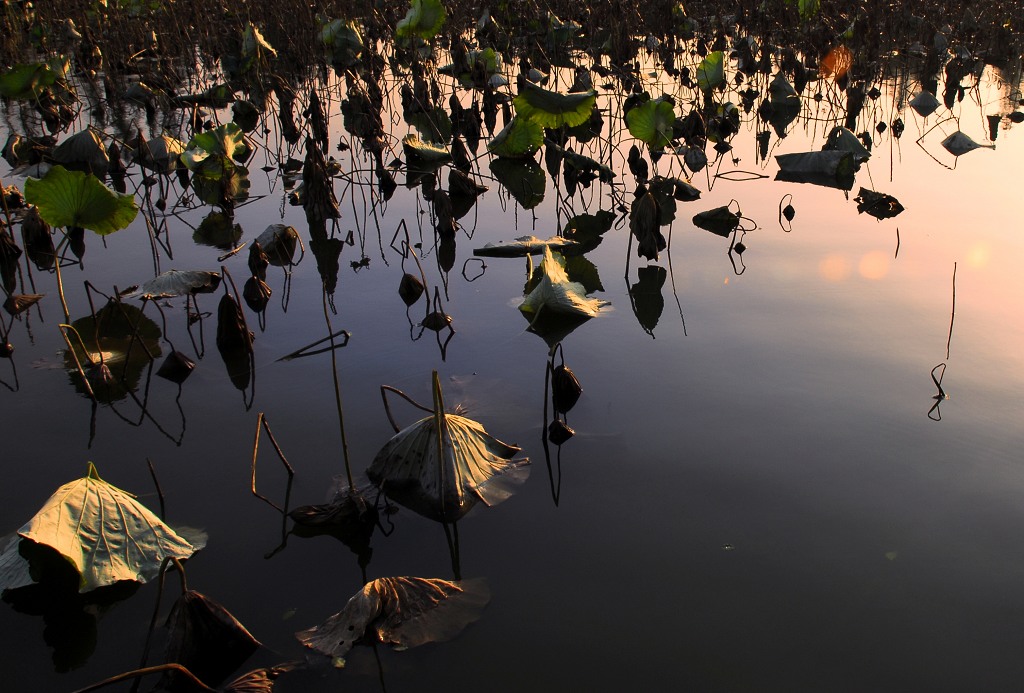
402, 611
126, 339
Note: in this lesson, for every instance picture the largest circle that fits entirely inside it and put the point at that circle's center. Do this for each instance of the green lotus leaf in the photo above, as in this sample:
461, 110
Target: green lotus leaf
651, 122
424, 19
343, 40
711, 71
521, 137
27, 81
552, 109
72, 198
105, 533
226, 141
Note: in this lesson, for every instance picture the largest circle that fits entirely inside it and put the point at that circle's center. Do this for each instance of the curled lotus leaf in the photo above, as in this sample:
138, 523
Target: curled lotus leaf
206, 638
105, 533
279, 242
400, 611
958, 143
525, 245
83, 151
521, 137
177, 283
424, 19
552, 109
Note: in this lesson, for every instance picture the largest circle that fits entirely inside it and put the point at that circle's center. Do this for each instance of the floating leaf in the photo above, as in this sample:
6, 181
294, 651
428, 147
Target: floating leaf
72, 198
105, 533
720, 221
554, 292
400, 611
211, 153
424, 155
520, 138
711, 71
523, 246
958, 144
842, 139
834, 169
651, 122
424, 19
160, 154
279, 242
879, 205
552, 109
177, 283
442, 465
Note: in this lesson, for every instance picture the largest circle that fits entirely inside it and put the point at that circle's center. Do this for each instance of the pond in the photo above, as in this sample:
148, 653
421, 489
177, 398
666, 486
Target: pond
795, 463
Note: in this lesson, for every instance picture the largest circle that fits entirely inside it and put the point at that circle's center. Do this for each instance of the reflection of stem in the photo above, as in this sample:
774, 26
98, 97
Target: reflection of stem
337, 395
139, 673
74, 355
952, 313
261, 422
159, 491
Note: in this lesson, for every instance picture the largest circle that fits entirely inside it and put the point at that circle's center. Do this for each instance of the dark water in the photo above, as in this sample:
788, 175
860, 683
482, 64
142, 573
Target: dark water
756, 498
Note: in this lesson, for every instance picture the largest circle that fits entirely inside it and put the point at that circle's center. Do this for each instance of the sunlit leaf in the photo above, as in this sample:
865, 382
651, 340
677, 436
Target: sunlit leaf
552, 109
555, 292
424, 19
523, 246
400, 611
521, 137
177, 283
837, 63
72, 198
711, 71
342, 39
105, 533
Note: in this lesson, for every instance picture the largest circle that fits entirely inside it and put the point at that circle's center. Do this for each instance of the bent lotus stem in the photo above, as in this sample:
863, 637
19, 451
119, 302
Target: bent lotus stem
63, 327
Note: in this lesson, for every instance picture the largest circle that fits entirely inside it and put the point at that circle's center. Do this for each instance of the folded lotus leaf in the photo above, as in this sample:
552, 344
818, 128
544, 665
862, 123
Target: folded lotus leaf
83, 151
523, 246
402, 611
958, 143
105, 533
556, 293
177, 283
206, 639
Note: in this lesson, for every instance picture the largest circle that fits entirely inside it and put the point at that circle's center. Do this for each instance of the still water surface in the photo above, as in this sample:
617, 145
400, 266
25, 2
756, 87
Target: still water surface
756, 498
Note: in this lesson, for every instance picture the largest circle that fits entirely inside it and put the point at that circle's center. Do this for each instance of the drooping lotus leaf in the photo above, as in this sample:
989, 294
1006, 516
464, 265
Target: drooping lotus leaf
444, 464
520, 138
720, 221
958, 143
72, 198
924, 103
400, 611
125, 338
177, 283
255, 49
651, 122
424, 19
555, 293
835, 168
523, 246
83, 151
523, 178
645, 225
434, 124
28, 81
105, 533
879, 205
279, 242
206, 639
160, 154
842, 139
711, 71
343, 40
420, 154
552, 109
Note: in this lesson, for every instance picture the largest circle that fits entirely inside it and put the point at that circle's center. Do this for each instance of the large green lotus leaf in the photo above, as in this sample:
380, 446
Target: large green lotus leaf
72, 198
424, 19
555, 292
28, 81
443, 465
400, 611
521, 137
226, 141
105, 533
552, 109
651, 122
711, 71
523, 178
